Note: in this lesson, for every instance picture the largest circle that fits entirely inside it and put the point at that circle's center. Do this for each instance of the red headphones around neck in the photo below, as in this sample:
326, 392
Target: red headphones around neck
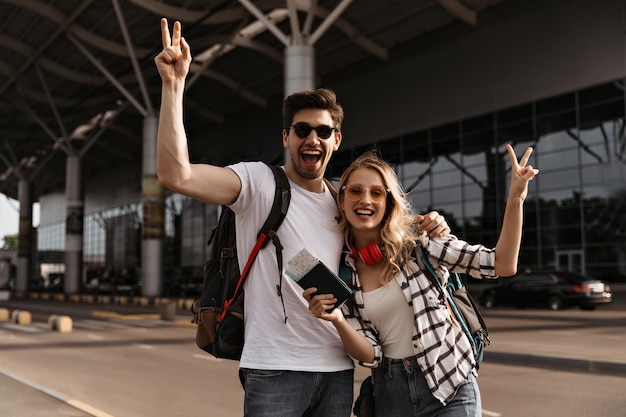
370, 254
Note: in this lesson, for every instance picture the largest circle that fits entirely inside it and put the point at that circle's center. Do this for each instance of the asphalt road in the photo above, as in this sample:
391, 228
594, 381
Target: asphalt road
136, 365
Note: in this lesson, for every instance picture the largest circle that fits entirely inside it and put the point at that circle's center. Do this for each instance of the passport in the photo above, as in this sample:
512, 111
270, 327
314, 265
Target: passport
308, 271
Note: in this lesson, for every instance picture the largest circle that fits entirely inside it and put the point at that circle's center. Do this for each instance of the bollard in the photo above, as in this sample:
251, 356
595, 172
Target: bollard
4, 314
121, 300
168, 310
62, 324
21, 317
141, 301
185, 303
104, 299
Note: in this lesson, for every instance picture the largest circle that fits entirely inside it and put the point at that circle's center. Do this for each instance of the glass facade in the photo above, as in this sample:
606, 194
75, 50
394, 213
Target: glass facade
111, 246
575, 212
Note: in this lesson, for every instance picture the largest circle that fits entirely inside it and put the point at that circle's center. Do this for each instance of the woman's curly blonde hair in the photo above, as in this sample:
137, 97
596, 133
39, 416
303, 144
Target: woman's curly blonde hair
397, 234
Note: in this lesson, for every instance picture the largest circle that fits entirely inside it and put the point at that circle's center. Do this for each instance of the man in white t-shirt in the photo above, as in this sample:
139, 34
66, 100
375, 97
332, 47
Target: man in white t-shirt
293, 364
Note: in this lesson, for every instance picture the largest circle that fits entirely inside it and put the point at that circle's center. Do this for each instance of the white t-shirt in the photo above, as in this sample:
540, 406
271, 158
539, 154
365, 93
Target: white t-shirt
304, 342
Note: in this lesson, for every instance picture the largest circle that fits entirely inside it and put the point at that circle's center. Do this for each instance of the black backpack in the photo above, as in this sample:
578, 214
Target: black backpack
218, 311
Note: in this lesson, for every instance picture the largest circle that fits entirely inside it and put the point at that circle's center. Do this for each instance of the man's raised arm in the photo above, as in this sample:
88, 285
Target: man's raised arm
208, 183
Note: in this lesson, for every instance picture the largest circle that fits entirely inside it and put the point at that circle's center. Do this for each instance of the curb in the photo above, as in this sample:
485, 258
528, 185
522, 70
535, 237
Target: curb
557, 363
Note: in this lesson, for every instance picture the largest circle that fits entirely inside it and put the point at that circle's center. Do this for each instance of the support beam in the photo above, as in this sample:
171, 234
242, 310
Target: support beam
14, 161
133, 57
270, 26
308, 21
58, 141
458, 10
296, 34
103, 129
55, 111
330, 19
108, 75
62, 28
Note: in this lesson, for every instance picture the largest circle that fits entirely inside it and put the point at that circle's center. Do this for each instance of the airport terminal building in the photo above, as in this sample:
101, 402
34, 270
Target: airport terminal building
440, 105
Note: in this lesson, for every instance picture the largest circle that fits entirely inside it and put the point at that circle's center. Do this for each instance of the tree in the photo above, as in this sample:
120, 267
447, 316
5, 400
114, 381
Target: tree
10, 242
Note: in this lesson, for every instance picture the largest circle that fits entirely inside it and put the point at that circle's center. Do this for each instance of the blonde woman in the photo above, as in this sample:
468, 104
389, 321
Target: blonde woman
422, 361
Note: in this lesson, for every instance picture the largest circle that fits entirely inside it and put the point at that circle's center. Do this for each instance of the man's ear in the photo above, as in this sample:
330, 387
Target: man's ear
285, 139
338, 138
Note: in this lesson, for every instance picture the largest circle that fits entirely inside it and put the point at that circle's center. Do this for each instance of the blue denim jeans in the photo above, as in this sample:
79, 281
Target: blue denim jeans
400, 390
297, 394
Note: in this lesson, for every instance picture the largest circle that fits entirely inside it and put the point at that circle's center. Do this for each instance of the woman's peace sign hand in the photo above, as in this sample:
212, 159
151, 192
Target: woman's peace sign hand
521, 173
174, 60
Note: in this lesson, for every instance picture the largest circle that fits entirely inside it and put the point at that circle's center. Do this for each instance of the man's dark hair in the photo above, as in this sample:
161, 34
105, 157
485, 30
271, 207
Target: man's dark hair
321, 98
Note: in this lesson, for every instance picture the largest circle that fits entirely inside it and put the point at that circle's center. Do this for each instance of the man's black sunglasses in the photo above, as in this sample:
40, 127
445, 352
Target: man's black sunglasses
303, 130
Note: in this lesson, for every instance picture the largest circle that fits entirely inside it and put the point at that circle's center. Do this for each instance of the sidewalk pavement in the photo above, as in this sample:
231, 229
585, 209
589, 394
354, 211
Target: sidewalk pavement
569, 340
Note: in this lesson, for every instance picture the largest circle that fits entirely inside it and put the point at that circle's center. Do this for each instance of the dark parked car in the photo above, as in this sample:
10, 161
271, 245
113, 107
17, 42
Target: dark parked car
552, 289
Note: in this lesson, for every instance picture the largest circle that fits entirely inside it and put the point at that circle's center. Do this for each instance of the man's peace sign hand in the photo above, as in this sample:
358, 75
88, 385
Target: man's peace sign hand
174, 60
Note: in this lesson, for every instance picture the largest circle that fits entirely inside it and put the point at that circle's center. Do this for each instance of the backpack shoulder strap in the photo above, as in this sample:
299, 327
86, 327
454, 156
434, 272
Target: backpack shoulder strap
331, 188
421, 254
344, 271
282, 197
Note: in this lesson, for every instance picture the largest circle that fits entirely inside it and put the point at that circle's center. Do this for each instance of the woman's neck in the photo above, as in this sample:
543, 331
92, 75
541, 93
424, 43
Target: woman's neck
364, 238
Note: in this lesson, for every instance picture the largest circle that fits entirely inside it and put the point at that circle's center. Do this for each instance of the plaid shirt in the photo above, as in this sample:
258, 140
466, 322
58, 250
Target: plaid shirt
442, 350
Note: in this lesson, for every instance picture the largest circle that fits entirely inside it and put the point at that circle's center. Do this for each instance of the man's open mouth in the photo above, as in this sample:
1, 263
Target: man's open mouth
310, 156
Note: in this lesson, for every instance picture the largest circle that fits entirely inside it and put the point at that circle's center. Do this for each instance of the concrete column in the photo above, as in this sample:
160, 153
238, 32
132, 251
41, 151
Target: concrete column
299, 68
25, 237
74, 226
153, 202
299, 72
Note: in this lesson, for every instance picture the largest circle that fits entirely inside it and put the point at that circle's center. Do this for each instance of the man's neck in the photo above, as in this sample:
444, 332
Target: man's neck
315, 185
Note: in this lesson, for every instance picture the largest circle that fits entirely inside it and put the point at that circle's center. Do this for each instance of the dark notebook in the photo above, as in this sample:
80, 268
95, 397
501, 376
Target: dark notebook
318, 275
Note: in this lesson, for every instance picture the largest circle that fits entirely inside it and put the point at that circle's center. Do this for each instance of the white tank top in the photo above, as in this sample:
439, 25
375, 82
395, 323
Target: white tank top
394, 325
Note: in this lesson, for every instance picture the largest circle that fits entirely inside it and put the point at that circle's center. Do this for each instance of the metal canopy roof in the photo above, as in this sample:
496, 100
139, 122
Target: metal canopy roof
78, 77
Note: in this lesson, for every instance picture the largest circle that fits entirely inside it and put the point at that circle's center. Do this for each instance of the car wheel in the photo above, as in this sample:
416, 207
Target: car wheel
489, 301
555, 303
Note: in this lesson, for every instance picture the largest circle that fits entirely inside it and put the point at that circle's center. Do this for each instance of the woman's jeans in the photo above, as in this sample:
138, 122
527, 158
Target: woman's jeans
400, 390
295, 394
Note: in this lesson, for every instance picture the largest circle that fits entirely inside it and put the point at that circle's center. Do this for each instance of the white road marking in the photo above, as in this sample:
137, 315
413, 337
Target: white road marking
143, 346
54, 394
206, 356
